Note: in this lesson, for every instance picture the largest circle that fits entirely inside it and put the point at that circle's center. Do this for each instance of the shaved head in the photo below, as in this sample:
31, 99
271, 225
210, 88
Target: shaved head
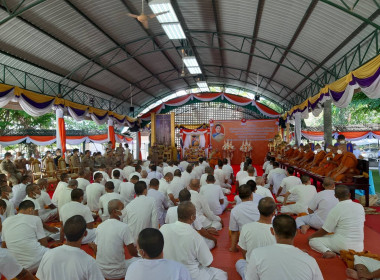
185, 210
194, 184
260, 181
115, 204
328, 182
342, 192
285, 226
267, 206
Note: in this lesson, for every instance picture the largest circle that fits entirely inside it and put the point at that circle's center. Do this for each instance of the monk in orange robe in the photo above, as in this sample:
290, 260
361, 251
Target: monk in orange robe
214, 157
333, 163
325, 160
347, 168
298, 157
307, 158
319, 156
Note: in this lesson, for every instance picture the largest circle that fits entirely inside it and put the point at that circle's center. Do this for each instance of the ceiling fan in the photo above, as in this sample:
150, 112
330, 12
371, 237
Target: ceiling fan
143, 18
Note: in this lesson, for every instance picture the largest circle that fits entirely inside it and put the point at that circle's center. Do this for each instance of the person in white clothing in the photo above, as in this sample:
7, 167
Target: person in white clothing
75, 207
150, 245
305, 194
209, 171
346, 221
127, 170
116, 180
276, 170
206, 216
260, 189
119, 167
222, 177
187, 175
161, 201
147, 162
154, 174
198, 170
205, 162
268, 168
69, 261
286, 184
19, 190
6, 195
319, 207
65, 195
65, 178
103, 171
256, 197
241, 175
282, 260
256, 234
24, 236
183, 164
364, 268
241, 214
228, 171
141, 212
166, 190
176, 185
48, 211
10, 268
172, 217
94, 191
111, 237
214, 196
189, 247
84, 176
127, 189
137, 172
144, 177
250, 176
107, 197
266, 163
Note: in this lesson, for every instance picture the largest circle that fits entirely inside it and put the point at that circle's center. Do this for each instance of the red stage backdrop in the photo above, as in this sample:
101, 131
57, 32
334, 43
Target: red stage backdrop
258, 132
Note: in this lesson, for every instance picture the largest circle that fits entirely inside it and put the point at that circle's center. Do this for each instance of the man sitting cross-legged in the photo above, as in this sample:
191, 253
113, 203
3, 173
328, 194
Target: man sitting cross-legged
214, 196
69, 261
319, 207
185, 245
243, 213
346, 221
111, 236
172, 217
257, 234
282, 260
107, 197
10, 268
305, 193
150, 244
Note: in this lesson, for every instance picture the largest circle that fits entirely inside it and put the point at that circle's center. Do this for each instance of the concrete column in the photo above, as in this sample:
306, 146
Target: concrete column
327, 123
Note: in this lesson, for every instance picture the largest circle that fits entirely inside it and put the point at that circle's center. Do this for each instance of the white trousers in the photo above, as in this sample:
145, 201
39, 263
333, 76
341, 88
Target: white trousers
293, 208
313, 220
241, 266
210, 243
334, 243
48, 215
369, 263
209, 273
207, 223
90, 237
291, 198
52, 235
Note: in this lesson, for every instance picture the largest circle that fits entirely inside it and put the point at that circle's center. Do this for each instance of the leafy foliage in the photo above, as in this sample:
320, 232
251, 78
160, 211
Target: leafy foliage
85, 125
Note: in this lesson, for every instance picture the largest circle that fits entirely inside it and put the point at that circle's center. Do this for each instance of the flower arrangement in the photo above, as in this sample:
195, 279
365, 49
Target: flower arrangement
228, 146
246, 146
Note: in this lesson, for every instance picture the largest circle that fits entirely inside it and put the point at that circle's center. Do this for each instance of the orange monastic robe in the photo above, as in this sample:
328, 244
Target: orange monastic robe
309, 156
337, 159
214, 159
317, 160
349, 160
322, 164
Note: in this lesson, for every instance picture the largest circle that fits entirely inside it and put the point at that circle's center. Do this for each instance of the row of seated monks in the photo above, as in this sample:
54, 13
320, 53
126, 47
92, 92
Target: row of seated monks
336, 162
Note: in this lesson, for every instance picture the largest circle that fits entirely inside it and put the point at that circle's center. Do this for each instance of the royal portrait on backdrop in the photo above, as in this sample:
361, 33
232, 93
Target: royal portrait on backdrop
217, 133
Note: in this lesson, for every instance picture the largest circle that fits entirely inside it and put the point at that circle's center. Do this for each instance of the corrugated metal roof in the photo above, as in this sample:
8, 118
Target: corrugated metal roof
76, 31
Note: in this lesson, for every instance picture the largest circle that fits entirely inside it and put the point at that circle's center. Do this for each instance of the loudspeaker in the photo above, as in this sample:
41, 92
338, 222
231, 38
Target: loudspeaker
131, 109
257, 97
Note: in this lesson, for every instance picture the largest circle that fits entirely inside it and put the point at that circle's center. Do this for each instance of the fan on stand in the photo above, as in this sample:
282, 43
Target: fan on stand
143, 18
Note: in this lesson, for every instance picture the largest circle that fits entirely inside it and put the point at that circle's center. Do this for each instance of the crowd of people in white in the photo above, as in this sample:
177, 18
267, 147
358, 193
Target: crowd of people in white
168, 218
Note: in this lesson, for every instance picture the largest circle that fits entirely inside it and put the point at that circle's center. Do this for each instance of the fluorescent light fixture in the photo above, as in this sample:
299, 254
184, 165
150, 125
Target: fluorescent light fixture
160, 6
192, 65
203, 86
174, 31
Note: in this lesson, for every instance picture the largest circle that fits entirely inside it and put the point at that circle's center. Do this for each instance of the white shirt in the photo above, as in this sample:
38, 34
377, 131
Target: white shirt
19, 193
21, 234
116, 183
61, 185
133, 174
288, 183
9, 267
276, 180
280, 261
154, 175
213, 193
64, 197
105, 177
189, 247
240, 175
243, 213
111, 236
160, 269
276, 170
44, 199
128, 170
140, 214
305, 193
246, 179
183, 164
94, 192
36, 204
198, 171
347, 219
176, 185
202, 207
56, 265
264, 165
161, 204
172, 217
220, 176
127, 191
268, 168
264, 192
255, 235
204, 178
323, 202
10, 211
75, 208
186, 178
227, 169
103, 202
83, 183
121, 174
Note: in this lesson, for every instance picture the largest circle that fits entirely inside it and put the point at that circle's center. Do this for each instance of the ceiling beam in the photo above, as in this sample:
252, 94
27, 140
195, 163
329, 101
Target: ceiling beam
337, 49
259, 13
18, 11
305, 17
216, 19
